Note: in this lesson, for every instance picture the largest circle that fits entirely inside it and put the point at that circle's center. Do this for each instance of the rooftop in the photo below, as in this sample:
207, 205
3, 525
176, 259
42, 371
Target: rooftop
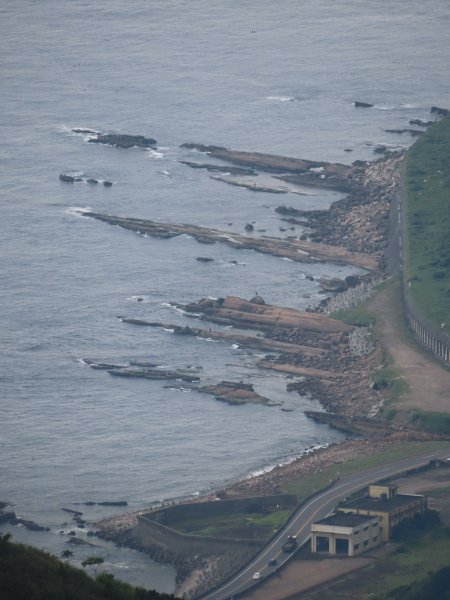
344, 520
382, 504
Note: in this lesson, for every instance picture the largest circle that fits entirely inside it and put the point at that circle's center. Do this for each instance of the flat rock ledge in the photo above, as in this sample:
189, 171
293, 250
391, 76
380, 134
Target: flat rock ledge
296, 250
236, 393
311, 173
245, 341
242, 313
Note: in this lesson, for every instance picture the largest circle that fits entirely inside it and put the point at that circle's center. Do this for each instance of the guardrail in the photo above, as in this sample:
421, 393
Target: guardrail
426, 333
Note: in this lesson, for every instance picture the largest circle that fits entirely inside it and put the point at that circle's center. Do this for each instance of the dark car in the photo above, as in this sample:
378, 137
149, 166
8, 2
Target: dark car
272, 562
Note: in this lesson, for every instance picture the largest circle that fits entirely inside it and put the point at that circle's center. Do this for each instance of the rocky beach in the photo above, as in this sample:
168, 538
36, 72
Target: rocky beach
326, 358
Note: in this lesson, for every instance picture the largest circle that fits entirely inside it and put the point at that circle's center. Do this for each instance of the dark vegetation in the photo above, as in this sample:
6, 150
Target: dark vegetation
428, 223
436, 585
30, 574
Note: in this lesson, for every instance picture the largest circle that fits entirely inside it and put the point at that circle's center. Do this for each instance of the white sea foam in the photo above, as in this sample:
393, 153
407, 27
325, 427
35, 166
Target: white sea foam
287, 461
281, 98
78, 211
155, 154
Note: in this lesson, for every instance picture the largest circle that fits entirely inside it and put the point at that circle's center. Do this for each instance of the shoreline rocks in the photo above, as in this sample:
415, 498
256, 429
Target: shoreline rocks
296, 250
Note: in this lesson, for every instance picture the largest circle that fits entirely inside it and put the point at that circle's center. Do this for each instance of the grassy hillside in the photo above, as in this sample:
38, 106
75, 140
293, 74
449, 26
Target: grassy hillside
428, 223
30, 574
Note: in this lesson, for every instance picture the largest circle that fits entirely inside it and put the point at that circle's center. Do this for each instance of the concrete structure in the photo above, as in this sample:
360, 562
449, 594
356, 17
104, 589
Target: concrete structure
163, 528
383, 501
345, 534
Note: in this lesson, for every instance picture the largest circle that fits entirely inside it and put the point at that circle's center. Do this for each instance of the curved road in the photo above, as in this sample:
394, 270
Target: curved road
314, 509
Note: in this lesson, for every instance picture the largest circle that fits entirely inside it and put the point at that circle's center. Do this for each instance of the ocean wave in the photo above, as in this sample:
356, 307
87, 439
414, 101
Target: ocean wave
140, 298
155, 154
281, 98
389, 106
78, 211
287, 461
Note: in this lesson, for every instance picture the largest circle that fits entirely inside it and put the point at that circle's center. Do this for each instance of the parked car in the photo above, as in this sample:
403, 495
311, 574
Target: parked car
257, 575
272, 562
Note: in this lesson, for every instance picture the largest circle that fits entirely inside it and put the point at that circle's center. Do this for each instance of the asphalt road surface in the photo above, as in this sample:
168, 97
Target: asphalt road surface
316, 508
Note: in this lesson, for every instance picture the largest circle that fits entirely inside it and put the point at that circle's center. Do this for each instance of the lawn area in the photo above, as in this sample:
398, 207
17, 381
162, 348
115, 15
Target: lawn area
236, 525
427, 188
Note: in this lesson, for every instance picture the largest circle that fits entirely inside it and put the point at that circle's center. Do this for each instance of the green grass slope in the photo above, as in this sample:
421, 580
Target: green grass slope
427, 187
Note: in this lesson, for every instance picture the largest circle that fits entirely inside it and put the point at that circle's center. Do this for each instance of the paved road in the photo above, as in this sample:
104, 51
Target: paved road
316, 508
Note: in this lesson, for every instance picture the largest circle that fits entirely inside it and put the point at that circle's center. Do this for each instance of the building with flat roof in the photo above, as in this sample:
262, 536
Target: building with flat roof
384, 502
345, 534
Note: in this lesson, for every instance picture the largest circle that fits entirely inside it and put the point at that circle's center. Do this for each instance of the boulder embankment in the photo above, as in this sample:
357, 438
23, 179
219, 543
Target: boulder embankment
360, 221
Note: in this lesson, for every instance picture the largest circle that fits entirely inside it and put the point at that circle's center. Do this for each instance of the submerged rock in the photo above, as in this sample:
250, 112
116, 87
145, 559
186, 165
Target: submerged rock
219, 168
362, 104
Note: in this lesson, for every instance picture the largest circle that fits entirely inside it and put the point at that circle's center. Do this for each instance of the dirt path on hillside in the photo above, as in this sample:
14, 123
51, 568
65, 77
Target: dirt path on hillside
429, 383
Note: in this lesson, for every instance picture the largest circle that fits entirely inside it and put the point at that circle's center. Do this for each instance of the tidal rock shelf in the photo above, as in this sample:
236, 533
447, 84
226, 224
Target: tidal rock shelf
296, 370
242, 313
246, 341
296, 250
320, 174
219, 168
146, 370
252, 185
236, 393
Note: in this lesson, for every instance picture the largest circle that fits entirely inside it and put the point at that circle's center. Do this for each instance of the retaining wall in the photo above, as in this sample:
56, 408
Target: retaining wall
156, 528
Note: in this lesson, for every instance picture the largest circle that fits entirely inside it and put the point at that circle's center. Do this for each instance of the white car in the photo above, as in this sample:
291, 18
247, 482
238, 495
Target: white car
257, 575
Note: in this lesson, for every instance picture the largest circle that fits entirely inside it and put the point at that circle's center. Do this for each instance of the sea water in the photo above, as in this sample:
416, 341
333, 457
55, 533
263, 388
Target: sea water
261, 76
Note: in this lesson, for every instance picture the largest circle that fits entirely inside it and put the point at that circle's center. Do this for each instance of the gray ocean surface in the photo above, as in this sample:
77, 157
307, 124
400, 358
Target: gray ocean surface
263, 76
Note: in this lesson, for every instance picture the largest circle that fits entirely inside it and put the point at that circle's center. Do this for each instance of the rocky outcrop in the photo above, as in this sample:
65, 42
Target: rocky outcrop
252, 185
72, 179
359, 425
120, 140
265, 344
421, 123
296, 170
235, 393
7, 517
144, 370
359, 104
359, 221
442, 112
219, 168
413, 132
296, 250
241, 313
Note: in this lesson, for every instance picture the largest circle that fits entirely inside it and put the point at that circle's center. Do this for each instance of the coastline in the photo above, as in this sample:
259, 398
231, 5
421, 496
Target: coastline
341, 379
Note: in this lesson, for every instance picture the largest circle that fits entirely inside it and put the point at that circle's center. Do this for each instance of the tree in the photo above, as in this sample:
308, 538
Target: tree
94, 562
67, 555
